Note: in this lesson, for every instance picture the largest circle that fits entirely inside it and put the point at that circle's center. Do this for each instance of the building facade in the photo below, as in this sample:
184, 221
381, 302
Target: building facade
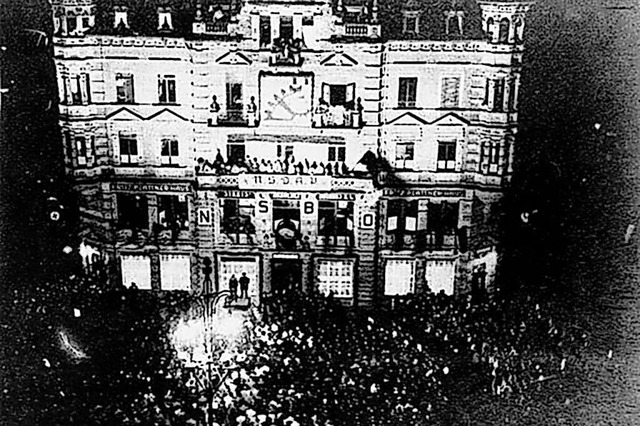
349, 146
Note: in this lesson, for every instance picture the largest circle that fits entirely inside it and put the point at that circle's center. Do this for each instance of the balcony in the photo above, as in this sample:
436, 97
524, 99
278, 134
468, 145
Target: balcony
232, 118
357, 30
420, 241
286, 52
338, 116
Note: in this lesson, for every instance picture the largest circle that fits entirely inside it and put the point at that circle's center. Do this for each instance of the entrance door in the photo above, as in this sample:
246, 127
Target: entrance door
236, 266
286, 274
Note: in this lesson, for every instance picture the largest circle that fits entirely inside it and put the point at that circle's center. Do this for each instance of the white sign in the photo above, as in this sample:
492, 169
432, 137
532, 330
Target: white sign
285, 182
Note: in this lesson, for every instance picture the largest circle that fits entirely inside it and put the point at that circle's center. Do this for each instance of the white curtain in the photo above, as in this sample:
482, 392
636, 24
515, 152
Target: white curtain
440, 275
175, 272
136, 269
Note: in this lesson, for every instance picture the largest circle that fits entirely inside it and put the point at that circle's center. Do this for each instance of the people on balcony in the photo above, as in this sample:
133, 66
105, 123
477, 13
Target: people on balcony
214, 109
288, 165
340, 115
287, 51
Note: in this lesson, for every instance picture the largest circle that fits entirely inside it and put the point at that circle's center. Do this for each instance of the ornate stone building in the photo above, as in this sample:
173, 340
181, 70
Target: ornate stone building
354, 146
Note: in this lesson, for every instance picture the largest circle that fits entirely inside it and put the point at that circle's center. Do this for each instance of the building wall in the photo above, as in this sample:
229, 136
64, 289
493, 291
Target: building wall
478, 116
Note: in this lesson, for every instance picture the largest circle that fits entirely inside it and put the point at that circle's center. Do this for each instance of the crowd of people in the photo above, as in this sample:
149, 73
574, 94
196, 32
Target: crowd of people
288, 164
312, 362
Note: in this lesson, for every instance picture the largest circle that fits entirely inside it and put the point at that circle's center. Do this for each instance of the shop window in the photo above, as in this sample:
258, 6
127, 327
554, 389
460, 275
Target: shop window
446, 156
335, 218
399, 277
175, 272
136, 269
237, 216
440, 275
337, 153
407, 92
286, 223
166, 89
128, 148
169, 153
450, 96
335, 276
124, 88
173, 212
133, 212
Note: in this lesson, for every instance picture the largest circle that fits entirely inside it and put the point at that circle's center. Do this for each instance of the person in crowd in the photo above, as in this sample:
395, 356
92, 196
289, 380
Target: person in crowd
233, 287
244, 286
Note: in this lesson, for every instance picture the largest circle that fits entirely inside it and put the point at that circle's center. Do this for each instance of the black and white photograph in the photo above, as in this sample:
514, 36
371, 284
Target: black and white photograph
320, 212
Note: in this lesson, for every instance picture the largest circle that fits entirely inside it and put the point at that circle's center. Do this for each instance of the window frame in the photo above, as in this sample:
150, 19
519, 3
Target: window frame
175, 209
444, 162
128, 140
326, 280
167, 155
125, 93
167, 89
407, 89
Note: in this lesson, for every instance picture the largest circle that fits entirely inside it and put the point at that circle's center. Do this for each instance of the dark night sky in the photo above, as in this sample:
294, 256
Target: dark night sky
580, 69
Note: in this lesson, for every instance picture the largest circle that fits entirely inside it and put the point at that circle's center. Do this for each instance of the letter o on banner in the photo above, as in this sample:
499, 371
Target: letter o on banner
367, 221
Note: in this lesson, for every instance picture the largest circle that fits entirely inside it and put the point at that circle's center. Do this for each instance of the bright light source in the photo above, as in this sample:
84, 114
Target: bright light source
597, 126
67, 250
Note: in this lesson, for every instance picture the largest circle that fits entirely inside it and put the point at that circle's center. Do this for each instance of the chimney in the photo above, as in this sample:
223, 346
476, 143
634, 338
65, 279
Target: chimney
121, 17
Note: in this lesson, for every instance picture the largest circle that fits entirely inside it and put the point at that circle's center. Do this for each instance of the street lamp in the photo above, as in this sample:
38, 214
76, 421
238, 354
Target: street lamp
202, 341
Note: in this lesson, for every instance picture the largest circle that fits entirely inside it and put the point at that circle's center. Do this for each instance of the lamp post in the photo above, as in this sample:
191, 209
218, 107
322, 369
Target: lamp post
195, 340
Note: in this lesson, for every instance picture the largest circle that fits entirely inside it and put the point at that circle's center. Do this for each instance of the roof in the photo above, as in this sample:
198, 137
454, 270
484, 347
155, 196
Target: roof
431, 16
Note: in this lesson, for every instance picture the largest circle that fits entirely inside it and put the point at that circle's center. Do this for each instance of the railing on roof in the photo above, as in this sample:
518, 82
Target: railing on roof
358, 30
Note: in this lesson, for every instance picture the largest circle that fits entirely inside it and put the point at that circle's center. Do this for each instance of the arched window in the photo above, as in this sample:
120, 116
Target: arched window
518, 30
503, 35
489, 33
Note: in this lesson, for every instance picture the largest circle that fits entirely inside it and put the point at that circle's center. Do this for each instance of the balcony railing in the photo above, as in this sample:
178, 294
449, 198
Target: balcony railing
217, 28
338, 117
349, 30
421, 241
232, 118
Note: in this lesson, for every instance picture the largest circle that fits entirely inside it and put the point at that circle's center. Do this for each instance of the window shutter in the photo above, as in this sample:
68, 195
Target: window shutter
350, 92
326, 92
423, 214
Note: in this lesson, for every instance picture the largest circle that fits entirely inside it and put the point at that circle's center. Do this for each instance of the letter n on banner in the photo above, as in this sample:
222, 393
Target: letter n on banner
204, 216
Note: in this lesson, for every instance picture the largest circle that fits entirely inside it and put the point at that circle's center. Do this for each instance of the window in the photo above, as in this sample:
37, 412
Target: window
84, 149
235, 153
512, 101
404, 151
503, 32
517, 33
407, 92
286, 223
410, 22
443, 217
68, 144
72, 24
335, 218
339, 94
336, 276
450, 97
407, 216
128, 148
80, 90
234, 97
136, 269
167, 89
288, 151
237, 216
440, 275
169, 150
124, 88
132, 211
265, 31
173, 212
286, 27
85, 22
175, 272
307, 21
490, 159
446, 156
337, 153
399, 277
498, 94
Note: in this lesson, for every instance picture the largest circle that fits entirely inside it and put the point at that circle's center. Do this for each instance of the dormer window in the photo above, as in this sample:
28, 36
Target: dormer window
453, 22
120, 17
411, 22
164, 19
